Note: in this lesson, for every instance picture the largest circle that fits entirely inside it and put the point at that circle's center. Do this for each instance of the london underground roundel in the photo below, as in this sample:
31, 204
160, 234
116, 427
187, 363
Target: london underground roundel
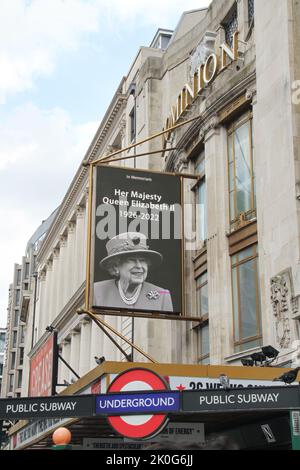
138, 426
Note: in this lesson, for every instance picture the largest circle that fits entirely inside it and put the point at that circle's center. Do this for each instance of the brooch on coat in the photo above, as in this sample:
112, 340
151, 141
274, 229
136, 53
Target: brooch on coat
153, 295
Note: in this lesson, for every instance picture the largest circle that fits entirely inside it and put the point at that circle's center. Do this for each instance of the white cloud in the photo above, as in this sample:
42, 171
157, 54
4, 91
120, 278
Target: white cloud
40, 151
154, 12
35, 33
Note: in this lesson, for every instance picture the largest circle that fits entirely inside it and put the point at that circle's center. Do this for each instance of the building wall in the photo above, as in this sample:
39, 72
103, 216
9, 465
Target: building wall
258, 85
277, 161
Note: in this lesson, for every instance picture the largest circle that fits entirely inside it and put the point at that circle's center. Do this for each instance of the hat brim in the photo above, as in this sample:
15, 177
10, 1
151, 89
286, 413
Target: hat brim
154, 257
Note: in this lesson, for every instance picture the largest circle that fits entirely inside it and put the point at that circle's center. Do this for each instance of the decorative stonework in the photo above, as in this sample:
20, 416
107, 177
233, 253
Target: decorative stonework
201, 52
42, 276
211, 124
250, 93
49, 264
80, 212
181, 163
279, 301
295, 306
122, 127
71, 227
63, 241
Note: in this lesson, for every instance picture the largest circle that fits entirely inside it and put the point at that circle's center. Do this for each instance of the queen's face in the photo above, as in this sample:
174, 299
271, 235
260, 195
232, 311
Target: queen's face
133, 270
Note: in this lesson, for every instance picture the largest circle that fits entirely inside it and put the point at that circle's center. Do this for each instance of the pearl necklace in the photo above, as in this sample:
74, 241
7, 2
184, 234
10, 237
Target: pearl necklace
132, 300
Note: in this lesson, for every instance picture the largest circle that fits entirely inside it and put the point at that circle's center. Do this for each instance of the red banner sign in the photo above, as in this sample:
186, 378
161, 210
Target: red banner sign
42, 368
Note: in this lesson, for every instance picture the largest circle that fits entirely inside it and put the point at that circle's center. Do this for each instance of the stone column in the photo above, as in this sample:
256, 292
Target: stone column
74, 355
79, 247
85, 346
40, 304
65, 353
86, 217
109, 350
54, 285
218, 259
48, 299
70, 263
59, 367
61, 274
96, 344
243, 18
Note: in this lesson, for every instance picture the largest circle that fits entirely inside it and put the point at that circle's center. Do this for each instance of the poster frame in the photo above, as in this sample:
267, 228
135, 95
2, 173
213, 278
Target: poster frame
89, 308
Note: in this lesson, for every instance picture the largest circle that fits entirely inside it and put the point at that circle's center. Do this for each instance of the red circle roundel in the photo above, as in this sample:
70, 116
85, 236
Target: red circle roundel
137, 426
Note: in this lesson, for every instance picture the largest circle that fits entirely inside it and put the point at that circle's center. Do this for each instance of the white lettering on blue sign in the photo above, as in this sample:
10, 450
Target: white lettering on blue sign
133, 403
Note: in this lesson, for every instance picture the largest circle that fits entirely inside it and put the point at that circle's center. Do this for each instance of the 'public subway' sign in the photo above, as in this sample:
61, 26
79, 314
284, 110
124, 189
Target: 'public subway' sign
53, 407
43, 369
264, 398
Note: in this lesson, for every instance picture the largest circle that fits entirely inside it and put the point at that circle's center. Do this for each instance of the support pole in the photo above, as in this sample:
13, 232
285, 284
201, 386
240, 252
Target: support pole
96, 320
116, 332
154, 136
68, 366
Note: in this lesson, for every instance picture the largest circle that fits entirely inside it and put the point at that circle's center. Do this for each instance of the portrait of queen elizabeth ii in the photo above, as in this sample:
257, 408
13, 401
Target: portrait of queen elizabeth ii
128, 262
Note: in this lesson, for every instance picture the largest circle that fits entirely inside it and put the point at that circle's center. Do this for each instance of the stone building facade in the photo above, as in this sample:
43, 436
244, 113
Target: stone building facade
242, 266
20, 331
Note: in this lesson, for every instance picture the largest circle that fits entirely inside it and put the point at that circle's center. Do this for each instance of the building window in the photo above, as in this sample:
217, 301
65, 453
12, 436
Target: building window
26, 271
132, 124
19, 378
242, 192
201, 203
14, 339
250, 11
21, 357
12, 360
18, 293
16, 318
246, 299
230, 25
11, 383
22, 334
1, 369
2, 342
18, 277
202, 312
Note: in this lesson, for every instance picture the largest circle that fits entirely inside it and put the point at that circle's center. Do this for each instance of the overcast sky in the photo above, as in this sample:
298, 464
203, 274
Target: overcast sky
60, 64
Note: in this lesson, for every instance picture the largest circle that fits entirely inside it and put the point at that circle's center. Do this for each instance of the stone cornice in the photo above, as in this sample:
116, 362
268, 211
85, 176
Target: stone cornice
80, 179
69, 310
209, 115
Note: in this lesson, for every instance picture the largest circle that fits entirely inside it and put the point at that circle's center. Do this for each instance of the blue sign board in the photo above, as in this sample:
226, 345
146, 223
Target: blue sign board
138, 403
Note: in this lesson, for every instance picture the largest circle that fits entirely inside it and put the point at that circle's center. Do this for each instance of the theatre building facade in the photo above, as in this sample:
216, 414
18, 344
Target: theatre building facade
231, 71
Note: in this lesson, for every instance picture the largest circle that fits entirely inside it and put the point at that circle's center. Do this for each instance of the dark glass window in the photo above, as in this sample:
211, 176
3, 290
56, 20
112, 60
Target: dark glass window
16, 318
14, 339
246, 299
230, 26
19, 378
132, 124
18, 277
21, 358
242, 188
2, 342
26, 270
11, 382
18, 293
13, 360
201, 203
202, 311
250, 10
